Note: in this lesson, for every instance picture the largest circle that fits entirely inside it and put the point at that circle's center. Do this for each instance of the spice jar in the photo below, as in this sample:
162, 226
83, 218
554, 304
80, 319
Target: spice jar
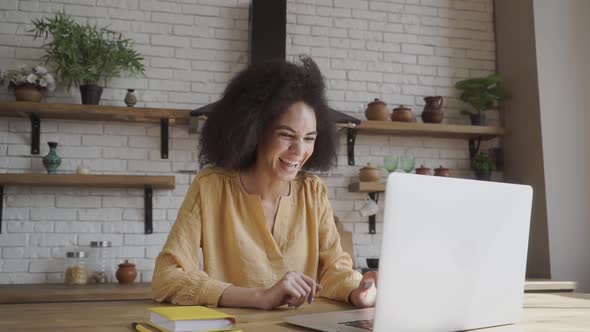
100, 262
76, 272
126, 273
369, 173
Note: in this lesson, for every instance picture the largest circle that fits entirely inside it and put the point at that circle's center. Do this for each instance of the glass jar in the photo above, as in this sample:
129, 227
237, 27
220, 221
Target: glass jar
100, 262
76, 272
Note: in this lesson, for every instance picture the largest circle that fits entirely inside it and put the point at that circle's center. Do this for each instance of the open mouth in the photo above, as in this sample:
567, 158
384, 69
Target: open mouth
290, 163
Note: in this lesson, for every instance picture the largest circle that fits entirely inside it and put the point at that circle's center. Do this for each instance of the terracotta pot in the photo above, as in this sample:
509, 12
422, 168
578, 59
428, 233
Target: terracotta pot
126, 273
423, 170
442, 171
432, 112
369, 173
377, 111
403, 114
27, 93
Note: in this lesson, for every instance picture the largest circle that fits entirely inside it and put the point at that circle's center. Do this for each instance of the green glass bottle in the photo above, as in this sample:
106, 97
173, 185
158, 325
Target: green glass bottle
52, 161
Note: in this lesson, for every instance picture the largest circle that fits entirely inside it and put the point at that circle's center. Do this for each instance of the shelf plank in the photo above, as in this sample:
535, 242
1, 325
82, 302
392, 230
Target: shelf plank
366, 187
90, 180
429, 129
93, 112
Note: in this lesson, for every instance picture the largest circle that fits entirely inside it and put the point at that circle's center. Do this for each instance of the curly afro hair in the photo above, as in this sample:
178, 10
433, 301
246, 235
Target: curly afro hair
254, 98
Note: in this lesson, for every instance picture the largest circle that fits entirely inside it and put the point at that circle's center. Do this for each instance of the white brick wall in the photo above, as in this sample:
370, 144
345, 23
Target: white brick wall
397, 51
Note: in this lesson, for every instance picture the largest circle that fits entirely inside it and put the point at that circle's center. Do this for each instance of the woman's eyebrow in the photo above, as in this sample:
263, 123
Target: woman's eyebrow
293, 131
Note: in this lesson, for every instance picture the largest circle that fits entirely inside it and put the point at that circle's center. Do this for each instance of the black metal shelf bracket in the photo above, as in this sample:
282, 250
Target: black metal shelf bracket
474, 144
164, 138
350, 139
147, 197
35, 133
372, 219
1, 205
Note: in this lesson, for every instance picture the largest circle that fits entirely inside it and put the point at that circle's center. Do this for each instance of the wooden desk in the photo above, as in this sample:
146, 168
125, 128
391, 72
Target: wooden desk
564, 312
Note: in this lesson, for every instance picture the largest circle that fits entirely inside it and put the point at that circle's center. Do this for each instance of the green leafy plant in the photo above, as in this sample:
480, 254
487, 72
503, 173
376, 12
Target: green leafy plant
481, 93
86, 54
482, 162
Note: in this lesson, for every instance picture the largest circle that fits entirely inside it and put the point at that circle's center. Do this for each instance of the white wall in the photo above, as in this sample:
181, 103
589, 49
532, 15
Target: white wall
398, 51
563, 53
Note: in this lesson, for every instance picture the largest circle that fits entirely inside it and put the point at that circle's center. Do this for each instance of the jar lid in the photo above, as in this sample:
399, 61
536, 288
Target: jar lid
126, 264
76, 254
402, 108
442, 168
423, 168
377, 101
369, 166
96, 244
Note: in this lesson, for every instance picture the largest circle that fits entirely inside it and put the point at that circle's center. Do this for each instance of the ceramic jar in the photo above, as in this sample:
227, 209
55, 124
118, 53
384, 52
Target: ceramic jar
126, 273
432, 112
52, 161
369, 173
403, 114
423, 170
442, 171
377, 111
130, 98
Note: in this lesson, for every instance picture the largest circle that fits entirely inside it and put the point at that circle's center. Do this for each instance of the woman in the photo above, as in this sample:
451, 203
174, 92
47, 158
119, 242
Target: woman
266, 229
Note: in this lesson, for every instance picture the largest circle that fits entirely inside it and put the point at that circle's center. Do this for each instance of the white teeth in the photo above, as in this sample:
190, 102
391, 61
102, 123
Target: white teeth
290, 163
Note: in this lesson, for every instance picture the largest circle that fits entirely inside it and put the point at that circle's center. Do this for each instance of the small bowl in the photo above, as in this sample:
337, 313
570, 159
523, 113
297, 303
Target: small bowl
373, 263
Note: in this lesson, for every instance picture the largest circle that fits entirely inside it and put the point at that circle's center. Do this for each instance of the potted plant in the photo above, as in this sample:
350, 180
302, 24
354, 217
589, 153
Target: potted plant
483, 166
86, 55
29, 83
482, 93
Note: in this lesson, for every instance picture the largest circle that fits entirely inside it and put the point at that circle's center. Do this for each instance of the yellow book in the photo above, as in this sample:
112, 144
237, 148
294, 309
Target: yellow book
190, 319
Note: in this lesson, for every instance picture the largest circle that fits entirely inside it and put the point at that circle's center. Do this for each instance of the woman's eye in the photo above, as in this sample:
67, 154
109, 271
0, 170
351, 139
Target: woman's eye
286, 135
310, 139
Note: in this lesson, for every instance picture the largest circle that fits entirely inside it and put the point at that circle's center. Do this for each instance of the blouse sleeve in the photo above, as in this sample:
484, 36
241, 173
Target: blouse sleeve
177, 278
336, 274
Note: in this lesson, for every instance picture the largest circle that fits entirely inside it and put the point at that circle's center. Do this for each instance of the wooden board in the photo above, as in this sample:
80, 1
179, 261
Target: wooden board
91, 180
542, 313
541, 285
39, 293
365, 187
429, 129
93, 112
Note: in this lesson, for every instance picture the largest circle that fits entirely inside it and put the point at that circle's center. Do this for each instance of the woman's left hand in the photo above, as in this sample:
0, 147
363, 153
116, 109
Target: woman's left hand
365, 294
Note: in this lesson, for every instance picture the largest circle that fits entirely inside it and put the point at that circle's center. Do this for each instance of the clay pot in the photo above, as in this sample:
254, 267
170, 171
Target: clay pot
27, 93
403, 114
432, 112
369, 173
126, 273
442, 171
377, 111
423, 170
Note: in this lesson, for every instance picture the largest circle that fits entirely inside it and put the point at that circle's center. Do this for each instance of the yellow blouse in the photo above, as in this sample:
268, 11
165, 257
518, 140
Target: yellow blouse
219, 216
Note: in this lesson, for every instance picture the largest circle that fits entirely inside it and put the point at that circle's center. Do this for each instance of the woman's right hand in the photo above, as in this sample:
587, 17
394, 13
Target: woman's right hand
292, 289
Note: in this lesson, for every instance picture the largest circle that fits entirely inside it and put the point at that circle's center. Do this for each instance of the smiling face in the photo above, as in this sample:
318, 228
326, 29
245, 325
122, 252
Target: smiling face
287, 143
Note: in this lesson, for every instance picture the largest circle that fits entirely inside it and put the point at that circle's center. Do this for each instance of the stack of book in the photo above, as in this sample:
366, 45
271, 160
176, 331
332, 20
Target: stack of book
190, 319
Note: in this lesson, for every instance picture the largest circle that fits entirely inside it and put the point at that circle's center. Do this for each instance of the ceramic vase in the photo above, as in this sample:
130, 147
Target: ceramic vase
52, 161
130, 98
27, 93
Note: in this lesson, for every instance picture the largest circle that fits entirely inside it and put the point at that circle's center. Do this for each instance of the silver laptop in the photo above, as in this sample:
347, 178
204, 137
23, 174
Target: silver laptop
453, 258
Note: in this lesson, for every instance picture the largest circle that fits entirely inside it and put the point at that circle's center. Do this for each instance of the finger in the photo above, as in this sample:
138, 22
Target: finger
312, 284
306, 288
297, 292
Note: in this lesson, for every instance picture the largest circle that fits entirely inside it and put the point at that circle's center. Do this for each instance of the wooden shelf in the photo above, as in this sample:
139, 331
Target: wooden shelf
366, 187
90, 180
93, 112
37, 111
429, 130
147, 182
